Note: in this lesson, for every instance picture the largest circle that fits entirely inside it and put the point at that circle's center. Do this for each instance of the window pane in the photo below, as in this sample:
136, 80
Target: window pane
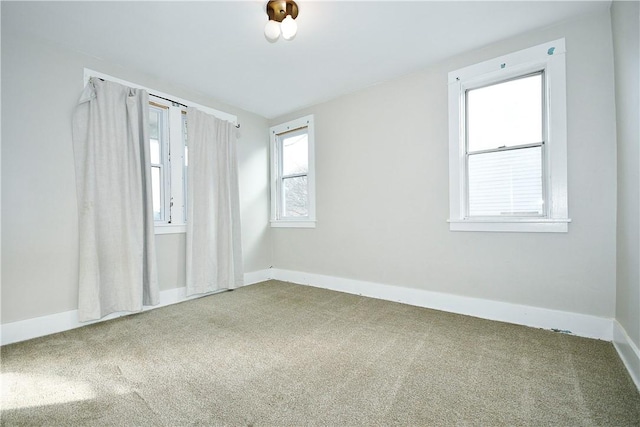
156, 192
154, 123
295, 154
155, 151
185, 166
295, 198
185, 140
505, 114
506, 183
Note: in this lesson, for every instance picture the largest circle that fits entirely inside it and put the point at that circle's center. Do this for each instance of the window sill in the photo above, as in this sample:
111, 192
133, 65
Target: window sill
293, 224
514, 225
170, 228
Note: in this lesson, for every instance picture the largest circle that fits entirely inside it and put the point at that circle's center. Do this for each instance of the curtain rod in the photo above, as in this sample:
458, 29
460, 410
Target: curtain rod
173, 101
180, 103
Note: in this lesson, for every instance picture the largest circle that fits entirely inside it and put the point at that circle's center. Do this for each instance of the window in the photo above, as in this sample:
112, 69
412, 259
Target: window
504, 148
507, 143
168, 152
167, 140
292, 174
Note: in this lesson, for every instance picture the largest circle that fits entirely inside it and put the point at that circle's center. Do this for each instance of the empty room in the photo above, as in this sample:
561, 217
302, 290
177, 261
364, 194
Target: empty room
336, 213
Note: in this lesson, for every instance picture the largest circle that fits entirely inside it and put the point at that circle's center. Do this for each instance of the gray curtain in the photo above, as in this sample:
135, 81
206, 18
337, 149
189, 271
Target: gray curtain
214, 252
117, 259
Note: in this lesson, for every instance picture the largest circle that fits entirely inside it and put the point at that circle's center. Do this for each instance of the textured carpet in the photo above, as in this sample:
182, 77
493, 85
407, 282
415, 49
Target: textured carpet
282, 354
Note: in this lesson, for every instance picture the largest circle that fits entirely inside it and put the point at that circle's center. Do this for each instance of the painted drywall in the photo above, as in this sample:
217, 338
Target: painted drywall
625, 17
40, 86
382, 190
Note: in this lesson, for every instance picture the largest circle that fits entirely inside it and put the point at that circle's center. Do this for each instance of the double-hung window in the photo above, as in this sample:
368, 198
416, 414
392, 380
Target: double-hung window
292, 174
507, 143
167, 146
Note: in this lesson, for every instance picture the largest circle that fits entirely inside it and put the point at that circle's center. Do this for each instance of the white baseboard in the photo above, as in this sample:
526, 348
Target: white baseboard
577, 324
59, 322
628, 351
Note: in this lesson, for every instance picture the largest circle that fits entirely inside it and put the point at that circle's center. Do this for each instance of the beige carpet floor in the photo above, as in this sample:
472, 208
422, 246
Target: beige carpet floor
278, 354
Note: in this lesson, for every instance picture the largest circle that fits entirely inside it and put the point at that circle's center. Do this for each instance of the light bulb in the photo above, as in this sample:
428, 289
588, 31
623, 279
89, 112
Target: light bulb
272, 30
289, 28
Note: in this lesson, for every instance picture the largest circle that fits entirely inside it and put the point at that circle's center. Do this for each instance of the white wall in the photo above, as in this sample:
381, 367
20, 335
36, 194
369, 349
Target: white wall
40, 86
625, 17
382, 190
382, 187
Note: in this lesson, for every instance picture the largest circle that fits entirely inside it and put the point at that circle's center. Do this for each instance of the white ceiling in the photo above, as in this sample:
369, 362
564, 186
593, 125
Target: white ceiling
218, 48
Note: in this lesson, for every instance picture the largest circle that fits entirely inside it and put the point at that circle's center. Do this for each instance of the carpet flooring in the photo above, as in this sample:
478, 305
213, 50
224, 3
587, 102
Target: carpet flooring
279, 354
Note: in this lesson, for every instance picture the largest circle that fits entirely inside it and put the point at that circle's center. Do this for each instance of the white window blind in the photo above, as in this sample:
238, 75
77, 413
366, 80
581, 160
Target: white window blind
506, 183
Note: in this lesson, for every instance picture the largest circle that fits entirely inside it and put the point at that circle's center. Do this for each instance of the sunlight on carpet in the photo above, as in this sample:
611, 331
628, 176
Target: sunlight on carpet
29, 390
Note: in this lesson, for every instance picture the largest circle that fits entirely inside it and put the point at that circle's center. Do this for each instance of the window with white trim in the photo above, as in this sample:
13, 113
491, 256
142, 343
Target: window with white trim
508, 143
292, 174
167, 147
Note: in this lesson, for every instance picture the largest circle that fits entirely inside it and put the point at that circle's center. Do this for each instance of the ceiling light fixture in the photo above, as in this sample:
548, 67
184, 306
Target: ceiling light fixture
282, 15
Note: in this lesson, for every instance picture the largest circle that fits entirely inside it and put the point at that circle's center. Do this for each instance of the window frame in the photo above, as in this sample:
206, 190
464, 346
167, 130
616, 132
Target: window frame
541, 144
548, 58
173, 153
277, 201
